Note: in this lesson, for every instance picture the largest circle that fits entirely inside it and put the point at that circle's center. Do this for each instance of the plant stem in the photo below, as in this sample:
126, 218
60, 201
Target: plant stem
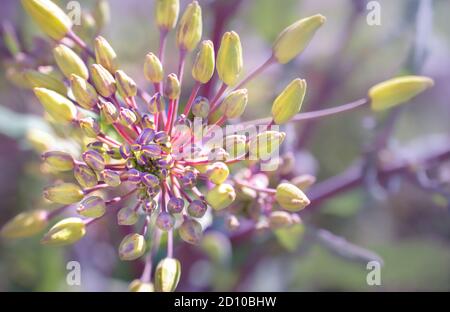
255, 73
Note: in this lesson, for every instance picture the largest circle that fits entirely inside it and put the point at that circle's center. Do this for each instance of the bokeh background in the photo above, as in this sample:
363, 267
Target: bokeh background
401, 223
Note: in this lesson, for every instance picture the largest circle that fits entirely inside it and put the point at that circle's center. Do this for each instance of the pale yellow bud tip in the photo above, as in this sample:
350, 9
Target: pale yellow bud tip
65, 232
291, 197
25, 224
289, 102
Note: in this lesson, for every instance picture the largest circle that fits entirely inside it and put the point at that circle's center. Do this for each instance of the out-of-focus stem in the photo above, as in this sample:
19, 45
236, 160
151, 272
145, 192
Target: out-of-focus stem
255, 73
216, 98
194, 92
162, 44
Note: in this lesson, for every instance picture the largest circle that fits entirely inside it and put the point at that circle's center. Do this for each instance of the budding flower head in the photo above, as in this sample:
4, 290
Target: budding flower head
167, 13
291, 197
395, 91
83, 92
265, 144
49, 17
289, 102
125, 85
59, 107
37, 79
229, 58
105, 55
203, 67
59, 161
221, 196
91, 207
233, 106
294, 39
190, 27
139, 286
153, 69
103, 81
69, 62
132, 247
167, 275
172, 87
25, 224
65, 232
218, 172
64, 193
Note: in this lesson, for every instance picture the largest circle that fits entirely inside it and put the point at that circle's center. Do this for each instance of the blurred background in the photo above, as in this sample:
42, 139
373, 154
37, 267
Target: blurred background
396, 220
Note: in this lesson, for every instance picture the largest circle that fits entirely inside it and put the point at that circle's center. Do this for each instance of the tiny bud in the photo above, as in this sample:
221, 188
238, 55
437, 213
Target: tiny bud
149, 206
103, 81
147, 122
49, 17
146, 136
294, 39
109, 112
69, 62
132, 247
132, 175
25, 224
90, 127
167, 275
58, 106
161, 137
37, 79
150, 180
289, 102
111, 177
165, 221
172, 87
190, 27
265, 144
127, 117
151, 150
91, 207
59, 161
395, 91
94, 160
291, 197
304, 181
190, 231
217, 172
125, 150
153, 69
65, 232
85, 176
197, 208
64, 193
156, 103
229, 58
105, 55
221, 196
166, 13
200, 107
175, 205
203, 67
127, 216
83, 92
278, 219
234, 104
125, 85
189, 180
139, 286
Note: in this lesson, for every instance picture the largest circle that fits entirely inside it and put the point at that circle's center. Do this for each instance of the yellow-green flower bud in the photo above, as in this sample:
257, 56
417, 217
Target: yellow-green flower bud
291, 197
278, 219
49, 17
127, 216
85, 176
140, 286
103, 81
125, 85
397, 90
289, 102
265, 144
59, 161
91, 207
101, 13
127, 117
64, 193
203, 67
105, 55
166, 13
191, 231
172, 87
37, 79
217, 172
167, 275
59, 107
303, 181
65, 232
221, 196
229, 58
233, 106
132, 247
156, 103
109, 112
69, 62
294, 39
190, 27
83, 92
200, 107
90, 127
235, 145
25, 224
153, 69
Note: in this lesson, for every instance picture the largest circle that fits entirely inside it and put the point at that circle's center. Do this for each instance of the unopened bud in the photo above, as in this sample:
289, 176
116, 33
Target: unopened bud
103, 81
291, 197
139, 286
127, 216
265, 144
175, 205
64, 193
200, 107
69, 62
109, 112
132, 247
65, 232
37, 79
59, 161
105, 55
234, 104
156, 103
101, 13
111, 177
153, 69
304, 181
85, 176
294, 39
59, 107
197, 208
235, 145
83, 92
190, 27
167, 275
172, 87
94, 160
25, 224
165, 221
127, 117
217, 172
289, 102
125, 85
49, 17
190, 231
278, 219
90, 127
203, 67
91, 207
167, 13
395, 91
221, 196
229, 58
